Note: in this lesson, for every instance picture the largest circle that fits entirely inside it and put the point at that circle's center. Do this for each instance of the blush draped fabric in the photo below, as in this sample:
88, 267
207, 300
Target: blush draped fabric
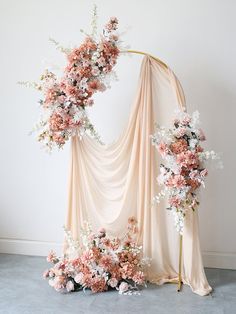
109, 183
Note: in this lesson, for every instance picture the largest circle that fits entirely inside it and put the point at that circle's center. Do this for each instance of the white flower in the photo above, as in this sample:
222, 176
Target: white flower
70, 286
179, 221
193, 142
51, 282
195, 119
123, 287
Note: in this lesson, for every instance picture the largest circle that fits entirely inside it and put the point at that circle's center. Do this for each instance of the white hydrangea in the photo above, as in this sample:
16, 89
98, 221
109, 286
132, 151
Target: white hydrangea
178, 221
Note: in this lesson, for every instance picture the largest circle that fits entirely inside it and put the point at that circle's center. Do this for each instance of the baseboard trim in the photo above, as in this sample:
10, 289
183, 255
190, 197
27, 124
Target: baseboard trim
41, 248
219, 260
28, 247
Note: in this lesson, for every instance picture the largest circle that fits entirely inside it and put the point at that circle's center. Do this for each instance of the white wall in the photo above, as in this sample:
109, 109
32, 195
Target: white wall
196, 38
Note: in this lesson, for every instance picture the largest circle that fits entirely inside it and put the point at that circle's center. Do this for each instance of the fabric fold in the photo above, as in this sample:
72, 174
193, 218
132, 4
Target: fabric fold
110, 183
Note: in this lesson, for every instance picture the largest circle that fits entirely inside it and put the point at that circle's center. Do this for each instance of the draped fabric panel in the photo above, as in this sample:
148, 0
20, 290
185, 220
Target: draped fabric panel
110, 183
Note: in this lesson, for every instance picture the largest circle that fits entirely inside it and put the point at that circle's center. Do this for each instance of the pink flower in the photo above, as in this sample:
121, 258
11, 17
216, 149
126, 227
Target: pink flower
71, 91
163, 149
199, 149
51, 96
179, 146
175, 201
87, 280
95, 71
98, 285
46, 274
78, 278
101, 61
112, 24
70, 286
106, 262
123, 287
56, 122
92, 236
52, 258
186, 120
191, 158
88, 102
180, 132
115, 243
193, 174
102, 230
51, 273
201, 135
178, 181
101, 233
187, 159
106, 242
204, 173
132, 220
194, 184
139, 277
59, 282
128, 268
61, 99
113, 282
57, 138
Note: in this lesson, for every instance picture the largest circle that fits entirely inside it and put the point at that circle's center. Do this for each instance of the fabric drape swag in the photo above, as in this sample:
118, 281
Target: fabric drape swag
110, 183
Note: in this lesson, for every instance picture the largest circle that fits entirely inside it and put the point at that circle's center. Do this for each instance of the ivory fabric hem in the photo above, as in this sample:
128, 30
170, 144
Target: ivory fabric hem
110, 183
162, 280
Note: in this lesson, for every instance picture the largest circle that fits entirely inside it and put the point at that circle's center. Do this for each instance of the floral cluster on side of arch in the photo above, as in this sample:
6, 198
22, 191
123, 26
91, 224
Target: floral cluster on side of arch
184, 170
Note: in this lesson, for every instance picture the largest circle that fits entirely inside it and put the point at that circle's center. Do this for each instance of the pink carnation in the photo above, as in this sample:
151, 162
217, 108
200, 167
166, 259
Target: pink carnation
163, 149
179, 146
52, 258
175, 201
139, 277
178, 181
98, 285
106, 261
187, 159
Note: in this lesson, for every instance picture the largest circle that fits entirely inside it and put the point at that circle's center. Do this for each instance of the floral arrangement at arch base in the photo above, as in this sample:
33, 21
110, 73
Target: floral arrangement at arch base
99, 263
184, 169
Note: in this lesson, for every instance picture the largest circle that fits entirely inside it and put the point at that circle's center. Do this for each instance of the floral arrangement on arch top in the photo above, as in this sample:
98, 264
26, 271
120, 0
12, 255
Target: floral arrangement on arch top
89, 70
99, 262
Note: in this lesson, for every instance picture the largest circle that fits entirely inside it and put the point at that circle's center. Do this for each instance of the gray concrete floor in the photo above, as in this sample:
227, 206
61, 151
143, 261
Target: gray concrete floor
23, 291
